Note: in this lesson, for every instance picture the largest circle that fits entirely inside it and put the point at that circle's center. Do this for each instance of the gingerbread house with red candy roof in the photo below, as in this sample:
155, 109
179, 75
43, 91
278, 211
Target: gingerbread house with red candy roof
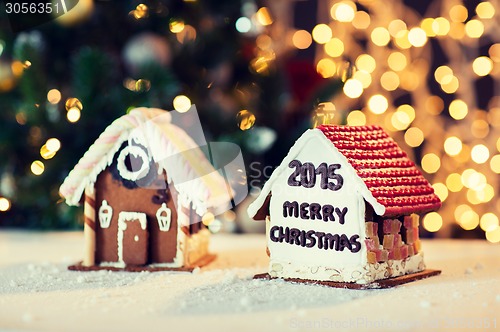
145, 186
343, 207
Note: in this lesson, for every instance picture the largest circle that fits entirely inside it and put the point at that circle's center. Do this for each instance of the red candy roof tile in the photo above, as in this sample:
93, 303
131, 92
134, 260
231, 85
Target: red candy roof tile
388, 173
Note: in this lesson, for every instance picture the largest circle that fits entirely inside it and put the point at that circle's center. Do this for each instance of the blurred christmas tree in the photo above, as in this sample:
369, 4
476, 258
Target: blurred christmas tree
63, 82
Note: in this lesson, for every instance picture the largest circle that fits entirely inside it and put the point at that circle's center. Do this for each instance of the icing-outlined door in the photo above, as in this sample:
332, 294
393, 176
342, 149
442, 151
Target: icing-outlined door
133, 238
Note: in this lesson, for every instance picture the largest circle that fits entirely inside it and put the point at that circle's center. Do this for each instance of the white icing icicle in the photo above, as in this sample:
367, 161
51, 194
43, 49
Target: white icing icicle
123, 218
163, 216
105, 214
169, 146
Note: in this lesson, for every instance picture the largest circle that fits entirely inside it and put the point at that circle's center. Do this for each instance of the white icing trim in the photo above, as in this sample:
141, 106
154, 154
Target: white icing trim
123, 217
122, 168
163, 216
300, 144
91, 176
105, 214
113, 264
175, 263
169, 146
359, 274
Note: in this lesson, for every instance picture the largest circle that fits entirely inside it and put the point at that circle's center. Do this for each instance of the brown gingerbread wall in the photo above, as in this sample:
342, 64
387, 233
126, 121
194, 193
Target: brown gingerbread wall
195, 224
162, 245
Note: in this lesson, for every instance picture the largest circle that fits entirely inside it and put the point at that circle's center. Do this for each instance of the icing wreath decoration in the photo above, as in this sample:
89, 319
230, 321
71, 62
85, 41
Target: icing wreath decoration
133, 166
129, 169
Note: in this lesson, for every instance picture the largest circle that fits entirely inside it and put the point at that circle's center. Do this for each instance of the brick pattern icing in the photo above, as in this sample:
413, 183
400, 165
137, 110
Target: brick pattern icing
390, 176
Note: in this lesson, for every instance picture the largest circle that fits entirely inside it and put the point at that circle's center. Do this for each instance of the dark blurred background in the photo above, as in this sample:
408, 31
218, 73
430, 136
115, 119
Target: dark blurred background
259, 73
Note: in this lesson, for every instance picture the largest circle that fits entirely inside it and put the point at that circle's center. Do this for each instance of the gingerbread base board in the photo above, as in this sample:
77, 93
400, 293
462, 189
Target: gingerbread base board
204, 261
385, 283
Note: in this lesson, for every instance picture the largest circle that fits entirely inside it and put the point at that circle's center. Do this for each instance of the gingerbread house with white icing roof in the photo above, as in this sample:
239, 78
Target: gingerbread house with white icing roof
344, 207
145, 186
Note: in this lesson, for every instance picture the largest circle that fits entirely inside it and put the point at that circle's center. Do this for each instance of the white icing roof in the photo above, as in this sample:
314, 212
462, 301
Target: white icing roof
329, 148
175, 152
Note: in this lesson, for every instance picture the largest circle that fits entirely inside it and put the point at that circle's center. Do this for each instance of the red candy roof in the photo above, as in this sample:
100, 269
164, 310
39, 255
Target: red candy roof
388, 173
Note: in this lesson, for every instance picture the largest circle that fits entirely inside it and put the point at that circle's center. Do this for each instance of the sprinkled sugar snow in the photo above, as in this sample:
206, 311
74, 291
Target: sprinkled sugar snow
37, 292
237, 292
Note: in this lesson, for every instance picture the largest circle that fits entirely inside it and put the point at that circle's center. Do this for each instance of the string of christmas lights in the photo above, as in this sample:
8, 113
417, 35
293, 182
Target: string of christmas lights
457, 143
385, 52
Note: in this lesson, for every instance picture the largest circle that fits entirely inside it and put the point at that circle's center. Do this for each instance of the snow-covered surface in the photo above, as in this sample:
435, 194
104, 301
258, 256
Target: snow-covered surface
37, 293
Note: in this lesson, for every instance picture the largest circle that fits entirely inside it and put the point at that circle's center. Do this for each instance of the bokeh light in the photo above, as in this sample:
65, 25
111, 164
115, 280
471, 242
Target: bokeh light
176, 26
361, 20
322, 33
73, 103
142, 85
334, 47
452, 86
301, 39
426, 25
245, 119
380, 36
402, 40
474, 28
480, 153
37, 167
495, 163
397, 61
326, 68
364, 77
53, 144
54, 96
389, 81
366, 62
343, 11
417, 37
488, 221
243, 24
458, 109
378, 104
432, 222
45, 153
485, 10
414, 137
356, 118
207, 218
4, 204
73, 114
441, 26
443, 74
264, 16
441, 191
431, 163
482, 66
353, 88
400, 120
454, 182
468, 220
493, 235
453, 145
181, 103
395, 26
494, 52
458, 13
